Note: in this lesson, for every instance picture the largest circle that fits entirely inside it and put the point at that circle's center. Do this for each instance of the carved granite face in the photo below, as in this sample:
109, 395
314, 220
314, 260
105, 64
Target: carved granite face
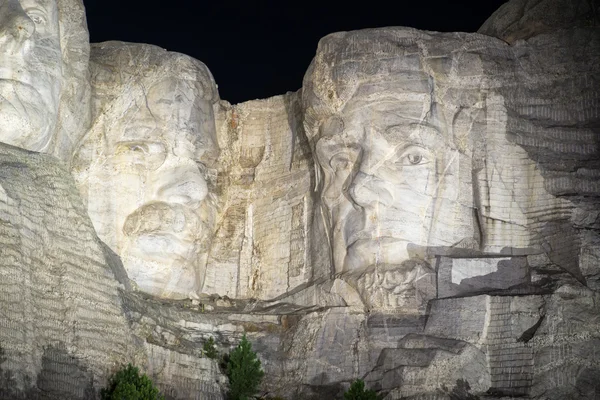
30, 72
384, 160
147, 190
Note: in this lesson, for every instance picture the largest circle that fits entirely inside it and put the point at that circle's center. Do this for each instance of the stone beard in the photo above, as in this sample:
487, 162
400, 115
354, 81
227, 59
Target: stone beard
390, 174
383, 179
388, 169
30, 72
143, 169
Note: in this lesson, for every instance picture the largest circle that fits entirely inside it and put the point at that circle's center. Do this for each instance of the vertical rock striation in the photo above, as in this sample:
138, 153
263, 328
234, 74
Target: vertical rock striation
62, 328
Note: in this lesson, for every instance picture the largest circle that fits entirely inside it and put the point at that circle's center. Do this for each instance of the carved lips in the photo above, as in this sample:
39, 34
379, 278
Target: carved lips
164, 219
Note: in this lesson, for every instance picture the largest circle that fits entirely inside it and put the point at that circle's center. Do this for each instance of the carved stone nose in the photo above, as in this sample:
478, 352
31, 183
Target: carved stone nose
359, 191
182, 185
15, 27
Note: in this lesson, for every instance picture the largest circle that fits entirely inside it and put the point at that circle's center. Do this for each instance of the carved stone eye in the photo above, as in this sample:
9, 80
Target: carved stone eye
36, 15
414, 156
37, 19
415, 159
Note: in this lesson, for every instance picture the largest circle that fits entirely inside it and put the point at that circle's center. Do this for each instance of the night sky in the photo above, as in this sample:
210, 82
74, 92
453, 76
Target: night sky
258, 49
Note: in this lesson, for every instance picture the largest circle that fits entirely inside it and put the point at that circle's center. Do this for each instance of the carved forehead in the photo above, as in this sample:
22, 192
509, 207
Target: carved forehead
410, 92
117, 66
394, 121
49, 5
386, 112
362, 65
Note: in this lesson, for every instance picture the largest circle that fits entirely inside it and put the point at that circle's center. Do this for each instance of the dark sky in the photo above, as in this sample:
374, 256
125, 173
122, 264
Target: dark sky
258, 49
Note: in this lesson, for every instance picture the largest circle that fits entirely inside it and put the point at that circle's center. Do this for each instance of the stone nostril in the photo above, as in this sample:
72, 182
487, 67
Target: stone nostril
184, 191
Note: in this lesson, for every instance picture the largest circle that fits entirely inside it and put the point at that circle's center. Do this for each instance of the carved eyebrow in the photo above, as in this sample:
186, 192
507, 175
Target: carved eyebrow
405, 97
415, 133
426, 135
389, 103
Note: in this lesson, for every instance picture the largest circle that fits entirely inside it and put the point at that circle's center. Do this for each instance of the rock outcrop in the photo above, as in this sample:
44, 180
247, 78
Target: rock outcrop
63, 326
524, 19
424, 214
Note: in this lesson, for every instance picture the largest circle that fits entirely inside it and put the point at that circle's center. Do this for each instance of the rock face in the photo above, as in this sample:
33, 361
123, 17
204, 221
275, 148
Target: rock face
261, 247
523, 19
423, 214
45, 46
145, 166
60, 299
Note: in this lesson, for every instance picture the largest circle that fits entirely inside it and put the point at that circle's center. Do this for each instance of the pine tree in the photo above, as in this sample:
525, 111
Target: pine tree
209, 349
244, 371
127, 384
357, 392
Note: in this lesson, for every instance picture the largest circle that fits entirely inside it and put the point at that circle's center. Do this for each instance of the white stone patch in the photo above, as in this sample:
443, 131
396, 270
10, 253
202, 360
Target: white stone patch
469, 268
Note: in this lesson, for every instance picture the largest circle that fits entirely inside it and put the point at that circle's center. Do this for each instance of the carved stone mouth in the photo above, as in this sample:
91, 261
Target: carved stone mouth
161, 219
362, 235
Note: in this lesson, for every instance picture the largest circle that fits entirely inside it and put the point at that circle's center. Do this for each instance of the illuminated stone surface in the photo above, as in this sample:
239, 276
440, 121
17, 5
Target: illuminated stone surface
145, 166
44, 90
423, 214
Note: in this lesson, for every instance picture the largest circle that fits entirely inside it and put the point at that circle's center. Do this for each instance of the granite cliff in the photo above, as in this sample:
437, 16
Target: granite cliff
424, 214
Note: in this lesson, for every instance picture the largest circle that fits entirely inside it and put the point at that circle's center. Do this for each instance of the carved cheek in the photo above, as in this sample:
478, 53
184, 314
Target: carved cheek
419, 180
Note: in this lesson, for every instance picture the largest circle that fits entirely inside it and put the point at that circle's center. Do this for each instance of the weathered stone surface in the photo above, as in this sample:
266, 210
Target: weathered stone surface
44, 89
434, 367
146, 167
566, 345
423, 214
522, 19
62, 328
262, 247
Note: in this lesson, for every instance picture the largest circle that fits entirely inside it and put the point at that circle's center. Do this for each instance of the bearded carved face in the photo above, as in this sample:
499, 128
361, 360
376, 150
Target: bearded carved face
147, 190
391, 183
388, 171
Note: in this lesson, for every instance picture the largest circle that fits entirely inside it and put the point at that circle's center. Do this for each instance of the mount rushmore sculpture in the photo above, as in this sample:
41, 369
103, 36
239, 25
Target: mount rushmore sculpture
423, 212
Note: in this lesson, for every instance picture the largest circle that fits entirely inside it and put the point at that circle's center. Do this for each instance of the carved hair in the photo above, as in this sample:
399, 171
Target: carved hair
347, 60
119, 64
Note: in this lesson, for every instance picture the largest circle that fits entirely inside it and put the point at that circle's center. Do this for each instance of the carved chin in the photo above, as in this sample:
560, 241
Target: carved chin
164, 265
159, 246
369, 252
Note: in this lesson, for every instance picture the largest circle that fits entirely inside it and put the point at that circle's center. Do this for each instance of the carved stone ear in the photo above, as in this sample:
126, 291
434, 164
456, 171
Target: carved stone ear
332, 126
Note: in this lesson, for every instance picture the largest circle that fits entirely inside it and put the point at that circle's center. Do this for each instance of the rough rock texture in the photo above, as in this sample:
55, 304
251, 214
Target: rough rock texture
264, 186
424, 214
565, 346
65, 324
523, 19
62, 329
